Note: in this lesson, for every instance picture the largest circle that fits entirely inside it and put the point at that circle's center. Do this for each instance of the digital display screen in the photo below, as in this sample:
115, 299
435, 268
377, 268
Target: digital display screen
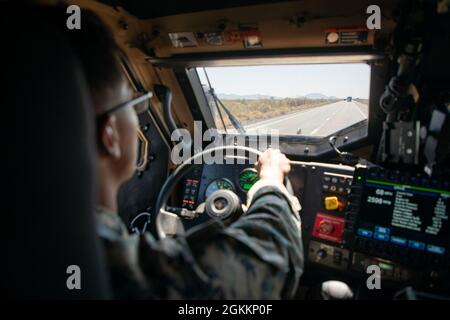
405, 215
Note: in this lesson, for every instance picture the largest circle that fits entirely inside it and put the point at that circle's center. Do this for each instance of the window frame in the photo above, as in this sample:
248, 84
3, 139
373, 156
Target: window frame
297, 145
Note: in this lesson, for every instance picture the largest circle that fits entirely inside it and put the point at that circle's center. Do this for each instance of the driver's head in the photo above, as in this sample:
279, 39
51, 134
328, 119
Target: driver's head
117, 141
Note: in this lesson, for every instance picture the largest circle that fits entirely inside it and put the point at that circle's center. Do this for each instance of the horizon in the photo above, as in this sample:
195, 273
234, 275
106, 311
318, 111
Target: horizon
265, 96
291, 81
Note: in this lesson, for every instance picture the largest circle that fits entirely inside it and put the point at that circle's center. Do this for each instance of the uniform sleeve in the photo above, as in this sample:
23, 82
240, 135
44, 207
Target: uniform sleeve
260, 256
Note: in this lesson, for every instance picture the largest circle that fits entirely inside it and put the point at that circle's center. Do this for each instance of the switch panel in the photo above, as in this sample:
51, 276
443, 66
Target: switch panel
327, 255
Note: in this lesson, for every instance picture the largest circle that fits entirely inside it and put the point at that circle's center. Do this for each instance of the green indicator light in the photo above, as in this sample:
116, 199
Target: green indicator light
359, 177
409, 187
385, 266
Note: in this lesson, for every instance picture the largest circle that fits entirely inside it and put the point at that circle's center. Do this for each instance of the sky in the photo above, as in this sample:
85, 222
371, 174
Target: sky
340, 80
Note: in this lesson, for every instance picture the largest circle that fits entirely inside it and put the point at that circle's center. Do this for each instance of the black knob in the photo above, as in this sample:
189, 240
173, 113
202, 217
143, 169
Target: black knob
321, 254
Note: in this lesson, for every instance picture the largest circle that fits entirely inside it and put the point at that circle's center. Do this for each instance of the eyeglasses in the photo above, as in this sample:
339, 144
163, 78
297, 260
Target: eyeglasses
140, 104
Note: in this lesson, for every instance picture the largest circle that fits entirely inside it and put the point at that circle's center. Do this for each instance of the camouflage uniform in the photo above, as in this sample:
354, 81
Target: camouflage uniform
260, 256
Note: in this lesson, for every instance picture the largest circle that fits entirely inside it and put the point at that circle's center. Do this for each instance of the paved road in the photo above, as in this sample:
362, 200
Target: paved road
320, 121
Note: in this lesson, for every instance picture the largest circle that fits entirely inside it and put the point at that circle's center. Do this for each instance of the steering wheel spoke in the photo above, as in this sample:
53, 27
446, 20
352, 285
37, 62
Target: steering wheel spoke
183, 212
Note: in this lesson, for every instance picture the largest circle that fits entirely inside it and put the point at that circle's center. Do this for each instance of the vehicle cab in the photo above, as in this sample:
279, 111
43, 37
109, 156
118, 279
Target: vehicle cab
356, 97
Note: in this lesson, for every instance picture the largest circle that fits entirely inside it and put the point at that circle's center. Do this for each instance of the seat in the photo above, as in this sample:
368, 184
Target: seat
48, 165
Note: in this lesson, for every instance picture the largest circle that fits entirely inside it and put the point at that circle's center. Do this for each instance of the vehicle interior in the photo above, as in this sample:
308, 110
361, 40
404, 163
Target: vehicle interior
357, 96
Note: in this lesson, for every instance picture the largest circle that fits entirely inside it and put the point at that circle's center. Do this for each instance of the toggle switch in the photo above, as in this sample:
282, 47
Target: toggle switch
331, 203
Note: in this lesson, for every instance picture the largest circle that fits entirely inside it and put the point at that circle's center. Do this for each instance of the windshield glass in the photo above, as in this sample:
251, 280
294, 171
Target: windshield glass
311, 100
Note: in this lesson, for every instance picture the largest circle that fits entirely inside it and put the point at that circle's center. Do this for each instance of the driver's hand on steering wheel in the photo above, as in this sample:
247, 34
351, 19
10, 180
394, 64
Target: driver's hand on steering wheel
273, 166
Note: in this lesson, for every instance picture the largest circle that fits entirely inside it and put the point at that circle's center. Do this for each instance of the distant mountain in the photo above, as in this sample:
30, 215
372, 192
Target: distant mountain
317, 96
312, 96
227, 96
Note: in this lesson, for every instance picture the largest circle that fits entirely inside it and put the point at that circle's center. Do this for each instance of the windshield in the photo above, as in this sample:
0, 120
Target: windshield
312, 100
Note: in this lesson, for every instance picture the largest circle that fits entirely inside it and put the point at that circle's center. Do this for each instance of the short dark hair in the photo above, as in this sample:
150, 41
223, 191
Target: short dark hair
97, 50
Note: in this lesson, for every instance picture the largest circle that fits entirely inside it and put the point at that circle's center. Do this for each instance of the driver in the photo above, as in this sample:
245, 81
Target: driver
259, 256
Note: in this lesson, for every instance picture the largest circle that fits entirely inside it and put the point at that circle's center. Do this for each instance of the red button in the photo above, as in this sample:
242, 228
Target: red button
326, 227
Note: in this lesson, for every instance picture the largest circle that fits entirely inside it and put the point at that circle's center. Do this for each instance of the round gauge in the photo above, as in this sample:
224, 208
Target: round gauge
247, 178
218, 184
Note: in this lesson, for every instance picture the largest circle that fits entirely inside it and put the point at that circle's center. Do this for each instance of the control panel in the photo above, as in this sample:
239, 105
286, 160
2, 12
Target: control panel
191, 186
329, 223
353, 219
400, 223
327, 255
323, 191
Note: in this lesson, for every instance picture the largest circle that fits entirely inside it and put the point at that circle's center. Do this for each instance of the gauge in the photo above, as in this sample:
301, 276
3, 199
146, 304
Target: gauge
333, 37
218, 184
247, 178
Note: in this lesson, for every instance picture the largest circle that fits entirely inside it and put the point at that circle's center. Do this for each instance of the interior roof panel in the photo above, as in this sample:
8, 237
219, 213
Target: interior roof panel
151, 9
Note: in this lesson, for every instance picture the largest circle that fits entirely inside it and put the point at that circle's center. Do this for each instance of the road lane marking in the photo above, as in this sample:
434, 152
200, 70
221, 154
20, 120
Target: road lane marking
323, 124
359, 109
284, 118
270, 123
312, 116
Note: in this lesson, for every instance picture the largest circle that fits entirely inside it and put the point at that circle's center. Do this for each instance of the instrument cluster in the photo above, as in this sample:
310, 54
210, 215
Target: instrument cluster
203, 181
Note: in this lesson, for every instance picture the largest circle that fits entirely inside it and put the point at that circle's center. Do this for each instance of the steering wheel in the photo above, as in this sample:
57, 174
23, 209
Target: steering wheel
221, 204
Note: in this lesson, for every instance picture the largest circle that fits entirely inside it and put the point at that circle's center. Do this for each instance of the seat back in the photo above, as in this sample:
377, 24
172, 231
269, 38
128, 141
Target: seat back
48, 158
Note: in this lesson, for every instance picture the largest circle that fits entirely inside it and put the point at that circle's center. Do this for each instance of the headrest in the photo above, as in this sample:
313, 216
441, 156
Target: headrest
48, 160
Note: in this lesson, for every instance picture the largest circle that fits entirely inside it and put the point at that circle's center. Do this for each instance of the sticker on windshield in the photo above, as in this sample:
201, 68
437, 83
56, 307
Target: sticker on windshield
346, 35
252, 39
233, 36
214, 38
250, 35
183, 39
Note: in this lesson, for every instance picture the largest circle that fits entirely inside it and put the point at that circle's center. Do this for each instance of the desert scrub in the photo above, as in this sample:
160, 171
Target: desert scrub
249, 111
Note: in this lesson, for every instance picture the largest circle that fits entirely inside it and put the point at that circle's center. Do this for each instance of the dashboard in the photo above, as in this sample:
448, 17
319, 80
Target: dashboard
203, 180
353, 218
